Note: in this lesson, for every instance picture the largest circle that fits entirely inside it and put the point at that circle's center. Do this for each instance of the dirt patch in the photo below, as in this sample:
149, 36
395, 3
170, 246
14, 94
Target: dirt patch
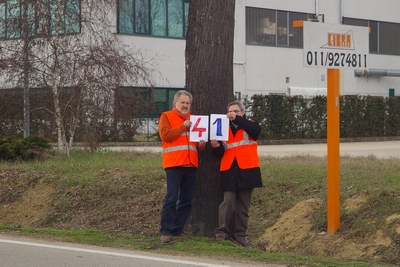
293, 233
354, 203
31, 209
395, 220
24, 196
292, 229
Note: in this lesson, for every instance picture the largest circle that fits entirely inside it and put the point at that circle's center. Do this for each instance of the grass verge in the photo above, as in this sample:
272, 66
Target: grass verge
119, 194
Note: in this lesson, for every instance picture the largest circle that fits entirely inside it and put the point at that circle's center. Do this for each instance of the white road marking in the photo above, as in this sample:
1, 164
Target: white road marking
110, 253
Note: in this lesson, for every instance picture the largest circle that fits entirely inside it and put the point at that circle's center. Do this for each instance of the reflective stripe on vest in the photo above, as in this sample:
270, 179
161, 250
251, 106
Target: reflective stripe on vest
245, 141
177, 148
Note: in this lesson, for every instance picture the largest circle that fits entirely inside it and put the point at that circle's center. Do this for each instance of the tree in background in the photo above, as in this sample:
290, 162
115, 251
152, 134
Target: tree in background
73, 52
209, 77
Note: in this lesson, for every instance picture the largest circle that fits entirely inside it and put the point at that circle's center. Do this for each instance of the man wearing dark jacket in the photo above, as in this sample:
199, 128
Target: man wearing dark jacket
239, 173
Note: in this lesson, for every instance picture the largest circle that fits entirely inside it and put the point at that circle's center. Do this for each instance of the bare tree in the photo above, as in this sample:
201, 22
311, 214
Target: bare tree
209, 77
73, 51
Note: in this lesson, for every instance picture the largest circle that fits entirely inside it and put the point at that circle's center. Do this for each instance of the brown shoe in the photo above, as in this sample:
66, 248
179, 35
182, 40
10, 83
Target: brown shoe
246, 245
220, 238
165, 239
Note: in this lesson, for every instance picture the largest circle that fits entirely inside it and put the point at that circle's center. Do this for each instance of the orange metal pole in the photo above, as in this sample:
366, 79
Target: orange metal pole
333, 141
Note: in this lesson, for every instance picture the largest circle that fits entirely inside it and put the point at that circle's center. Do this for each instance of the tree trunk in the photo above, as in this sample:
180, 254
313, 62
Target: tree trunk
209, 77
26, 67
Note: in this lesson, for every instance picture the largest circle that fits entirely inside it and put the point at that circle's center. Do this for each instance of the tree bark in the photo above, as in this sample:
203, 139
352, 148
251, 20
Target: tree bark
209, 77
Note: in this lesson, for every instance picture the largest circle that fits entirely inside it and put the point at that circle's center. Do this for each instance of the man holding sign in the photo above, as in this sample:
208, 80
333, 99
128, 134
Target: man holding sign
239, 173
180, 161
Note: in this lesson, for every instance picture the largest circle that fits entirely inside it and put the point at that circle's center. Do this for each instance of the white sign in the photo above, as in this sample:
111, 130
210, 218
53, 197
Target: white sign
219, 127
199, 128
335, 46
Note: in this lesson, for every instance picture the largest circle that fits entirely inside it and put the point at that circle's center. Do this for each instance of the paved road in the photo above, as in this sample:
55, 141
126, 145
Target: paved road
24, 252
382, 149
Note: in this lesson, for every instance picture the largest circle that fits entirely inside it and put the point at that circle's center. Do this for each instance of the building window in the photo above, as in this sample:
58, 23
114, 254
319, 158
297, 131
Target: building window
282, 28
40, 16
384, 37
167, 18
273, 27
150, 102
11, 18
163, 98
71, 17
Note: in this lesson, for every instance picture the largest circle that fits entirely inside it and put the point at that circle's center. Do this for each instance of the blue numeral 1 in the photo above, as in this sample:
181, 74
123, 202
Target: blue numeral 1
219, 126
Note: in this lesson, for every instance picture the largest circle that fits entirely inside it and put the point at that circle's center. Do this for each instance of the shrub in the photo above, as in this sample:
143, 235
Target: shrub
15, 148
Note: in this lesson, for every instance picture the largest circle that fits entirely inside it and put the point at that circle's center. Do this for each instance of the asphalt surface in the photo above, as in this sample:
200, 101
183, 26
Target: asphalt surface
381, 149
16, 251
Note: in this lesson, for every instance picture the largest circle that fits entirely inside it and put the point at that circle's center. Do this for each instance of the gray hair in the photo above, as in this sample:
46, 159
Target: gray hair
237, 102
182, 92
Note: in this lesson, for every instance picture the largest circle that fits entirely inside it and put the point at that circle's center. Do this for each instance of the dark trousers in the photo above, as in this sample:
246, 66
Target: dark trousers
236, 203
181, 185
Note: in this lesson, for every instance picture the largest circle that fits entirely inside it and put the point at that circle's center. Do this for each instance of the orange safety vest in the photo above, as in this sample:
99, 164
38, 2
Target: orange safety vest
243, 148
179, 152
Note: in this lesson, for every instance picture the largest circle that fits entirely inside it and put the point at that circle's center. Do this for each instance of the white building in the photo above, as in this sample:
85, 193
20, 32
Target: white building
268, 51
268, 54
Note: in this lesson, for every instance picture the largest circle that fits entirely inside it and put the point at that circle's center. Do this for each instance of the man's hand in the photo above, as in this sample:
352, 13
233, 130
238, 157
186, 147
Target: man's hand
187, 124
231, 115
202, 143
214, 143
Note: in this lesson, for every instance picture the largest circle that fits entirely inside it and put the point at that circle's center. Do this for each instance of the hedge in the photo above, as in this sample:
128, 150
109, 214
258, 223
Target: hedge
294, 117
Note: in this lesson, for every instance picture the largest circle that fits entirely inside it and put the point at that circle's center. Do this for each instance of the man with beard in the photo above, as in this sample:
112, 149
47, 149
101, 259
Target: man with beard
180, 161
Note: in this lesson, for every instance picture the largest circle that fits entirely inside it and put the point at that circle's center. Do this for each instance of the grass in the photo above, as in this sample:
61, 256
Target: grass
195, 246
94, 188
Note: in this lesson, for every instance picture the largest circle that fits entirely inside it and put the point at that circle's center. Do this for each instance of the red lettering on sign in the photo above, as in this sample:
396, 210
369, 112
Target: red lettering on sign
197, 129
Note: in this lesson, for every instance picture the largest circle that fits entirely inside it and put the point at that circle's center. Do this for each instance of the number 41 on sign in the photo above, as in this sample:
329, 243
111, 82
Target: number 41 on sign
201, 129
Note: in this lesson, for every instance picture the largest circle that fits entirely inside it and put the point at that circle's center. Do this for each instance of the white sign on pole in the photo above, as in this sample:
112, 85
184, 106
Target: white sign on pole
219, 127
335, 46
199, 128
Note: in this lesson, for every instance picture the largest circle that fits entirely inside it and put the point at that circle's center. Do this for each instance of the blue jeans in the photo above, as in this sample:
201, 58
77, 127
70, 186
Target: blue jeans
181, 185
